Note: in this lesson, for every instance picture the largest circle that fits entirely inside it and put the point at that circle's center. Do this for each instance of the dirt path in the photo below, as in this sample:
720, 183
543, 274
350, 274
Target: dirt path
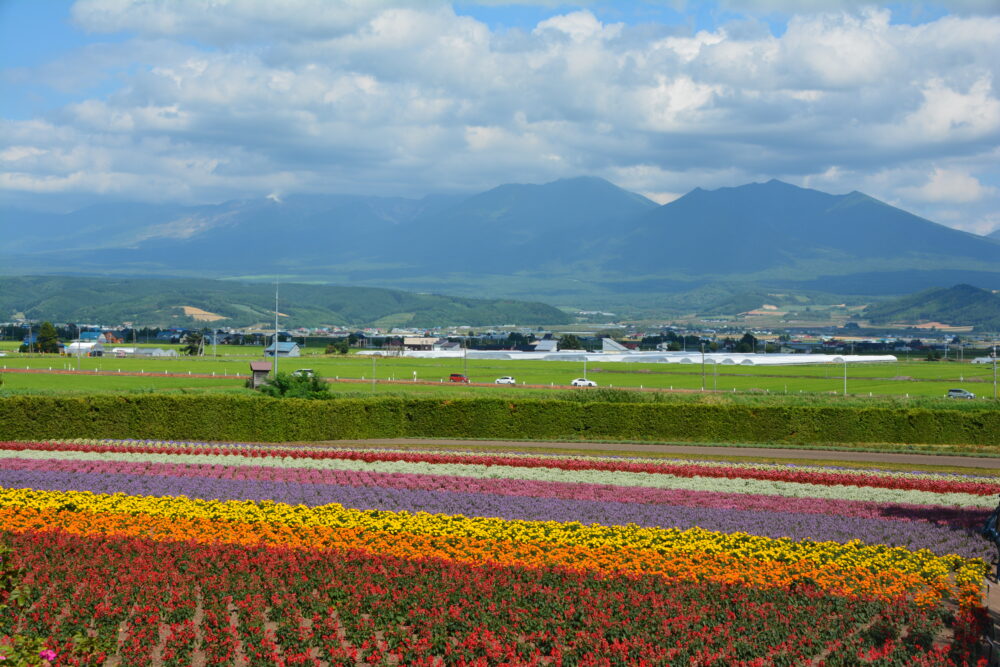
701, 450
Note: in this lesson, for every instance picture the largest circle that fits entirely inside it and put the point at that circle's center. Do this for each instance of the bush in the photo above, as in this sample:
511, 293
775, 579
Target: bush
265, 419
296, 386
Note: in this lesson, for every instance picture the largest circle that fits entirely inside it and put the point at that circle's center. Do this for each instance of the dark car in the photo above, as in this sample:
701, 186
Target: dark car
457, 377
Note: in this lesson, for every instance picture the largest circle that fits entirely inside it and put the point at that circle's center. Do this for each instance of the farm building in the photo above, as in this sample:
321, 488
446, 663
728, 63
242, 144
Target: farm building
153, 352
92, 337
419, 343
84, 348
259, 371
546, 345
284, 350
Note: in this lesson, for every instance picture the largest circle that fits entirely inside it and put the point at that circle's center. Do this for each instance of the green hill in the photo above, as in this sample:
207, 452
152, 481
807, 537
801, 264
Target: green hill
162, 302
961, 305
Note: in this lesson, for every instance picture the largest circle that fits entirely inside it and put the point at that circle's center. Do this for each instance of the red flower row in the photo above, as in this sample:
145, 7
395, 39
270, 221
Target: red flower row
149, 601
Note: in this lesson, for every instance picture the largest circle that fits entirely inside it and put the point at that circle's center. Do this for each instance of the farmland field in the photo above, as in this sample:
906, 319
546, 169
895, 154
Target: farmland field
904, 378
181, 553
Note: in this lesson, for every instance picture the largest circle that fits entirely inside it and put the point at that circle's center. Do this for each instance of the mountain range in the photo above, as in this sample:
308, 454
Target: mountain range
580, 241
169, 302
958, 305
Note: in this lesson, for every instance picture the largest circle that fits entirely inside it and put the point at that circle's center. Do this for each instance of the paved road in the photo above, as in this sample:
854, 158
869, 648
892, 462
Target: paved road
702, 450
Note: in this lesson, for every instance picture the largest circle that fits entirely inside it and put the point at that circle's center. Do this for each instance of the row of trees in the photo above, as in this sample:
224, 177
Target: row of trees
47, 340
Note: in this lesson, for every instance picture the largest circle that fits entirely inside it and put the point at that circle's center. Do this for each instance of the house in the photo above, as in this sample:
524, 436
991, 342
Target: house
284, 350
419, 342
259, 371
92, 337
546, 345
171, 336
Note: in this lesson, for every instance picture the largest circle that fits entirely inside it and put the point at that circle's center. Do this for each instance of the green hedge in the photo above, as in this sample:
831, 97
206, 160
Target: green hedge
222, 417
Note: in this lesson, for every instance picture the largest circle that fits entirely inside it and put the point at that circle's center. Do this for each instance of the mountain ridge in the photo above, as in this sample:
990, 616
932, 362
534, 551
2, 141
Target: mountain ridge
161, 302
581, 241
959, 305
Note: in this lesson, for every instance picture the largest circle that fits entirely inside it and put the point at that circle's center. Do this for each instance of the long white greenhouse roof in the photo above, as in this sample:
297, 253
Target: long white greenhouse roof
721, 358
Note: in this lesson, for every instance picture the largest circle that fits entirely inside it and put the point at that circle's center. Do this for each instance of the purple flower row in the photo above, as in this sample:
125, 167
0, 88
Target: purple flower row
937, 538
955, 518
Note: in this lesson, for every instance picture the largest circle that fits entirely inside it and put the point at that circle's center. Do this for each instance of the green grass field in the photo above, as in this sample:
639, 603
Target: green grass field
905, 379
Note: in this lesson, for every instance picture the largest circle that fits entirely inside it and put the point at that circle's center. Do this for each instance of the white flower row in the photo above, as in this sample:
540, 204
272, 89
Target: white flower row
628, 479
835, 470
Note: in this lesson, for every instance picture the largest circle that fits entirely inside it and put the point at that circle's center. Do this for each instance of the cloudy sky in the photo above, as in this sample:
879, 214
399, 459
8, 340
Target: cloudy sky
203, 101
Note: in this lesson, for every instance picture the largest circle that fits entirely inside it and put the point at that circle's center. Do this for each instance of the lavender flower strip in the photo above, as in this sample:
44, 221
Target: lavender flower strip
938, 539
966, 518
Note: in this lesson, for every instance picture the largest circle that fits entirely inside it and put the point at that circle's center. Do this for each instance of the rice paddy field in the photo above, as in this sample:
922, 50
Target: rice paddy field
190, 553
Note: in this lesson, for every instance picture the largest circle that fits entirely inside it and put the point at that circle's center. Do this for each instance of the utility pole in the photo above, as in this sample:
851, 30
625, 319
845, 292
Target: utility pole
994, 370
275, 327
845, 376
373, 373
703, 366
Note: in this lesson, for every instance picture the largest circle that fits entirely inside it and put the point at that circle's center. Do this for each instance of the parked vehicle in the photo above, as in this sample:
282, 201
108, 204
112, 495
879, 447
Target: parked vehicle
303, 373
506, 379
457, 377
583, 382
959, 393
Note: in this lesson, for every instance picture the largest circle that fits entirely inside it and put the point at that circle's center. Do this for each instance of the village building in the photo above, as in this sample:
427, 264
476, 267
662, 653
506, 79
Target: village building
82, 348
259, 370
284, 350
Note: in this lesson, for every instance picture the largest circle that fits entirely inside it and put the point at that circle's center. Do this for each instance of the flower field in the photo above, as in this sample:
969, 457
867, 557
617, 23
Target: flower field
165, 553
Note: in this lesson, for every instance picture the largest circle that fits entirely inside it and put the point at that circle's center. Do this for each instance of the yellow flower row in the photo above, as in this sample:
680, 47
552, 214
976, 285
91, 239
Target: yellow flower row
850, 555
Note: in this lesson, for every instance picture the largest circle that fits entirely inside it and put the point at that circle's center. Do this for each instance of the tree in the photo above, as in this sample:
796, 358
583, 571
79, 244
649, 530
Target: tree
194, 343
48, 339
570, 342
292, 386
338, 347
747, 344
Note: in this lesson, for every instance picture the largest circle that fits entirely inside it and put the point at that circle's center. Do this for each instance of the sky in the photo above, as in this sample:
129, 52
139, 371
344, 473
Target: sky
203, 101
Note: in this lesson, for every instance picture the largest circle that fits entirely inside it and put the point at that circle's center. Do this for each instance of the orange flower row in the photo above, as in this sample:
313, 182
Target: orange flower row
684, 566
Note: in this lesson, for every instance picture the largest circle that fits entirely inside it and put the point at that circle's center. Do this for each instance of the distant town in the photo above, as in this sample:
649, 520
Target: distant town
127, 340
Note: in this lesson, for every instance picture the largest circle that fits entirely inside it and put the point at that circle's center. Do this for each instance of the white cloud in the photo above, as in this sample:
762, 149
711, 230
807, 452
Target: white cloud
944, 115
241, 98
579, 26
950, 186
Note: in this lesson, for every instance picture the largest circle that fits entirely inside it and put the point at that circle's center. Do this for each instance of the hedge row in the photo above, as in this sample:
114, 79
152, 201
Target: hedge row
274, 420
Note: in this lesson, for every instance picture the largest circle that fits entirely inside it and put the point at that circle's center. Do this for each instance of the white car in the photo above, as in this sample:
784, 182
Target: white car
506, 379
583, 382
